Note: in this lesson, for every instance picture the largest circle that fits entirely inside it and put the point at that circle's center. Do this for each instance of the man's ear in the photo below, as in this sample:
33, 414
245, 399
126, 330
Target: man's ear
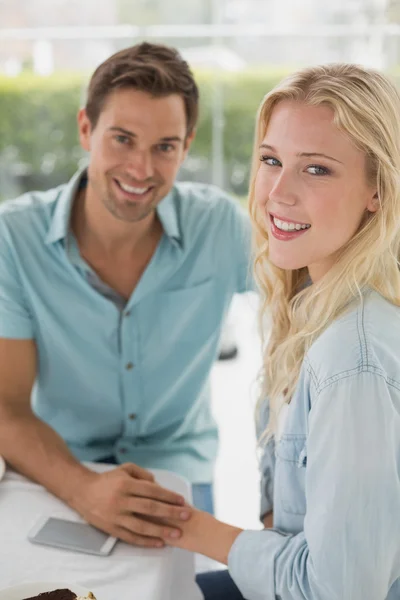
188, 141
84, 129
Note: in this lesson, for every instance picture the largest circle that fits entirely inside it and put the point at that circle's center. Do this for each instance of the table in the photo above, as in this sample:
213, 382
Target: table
129, 573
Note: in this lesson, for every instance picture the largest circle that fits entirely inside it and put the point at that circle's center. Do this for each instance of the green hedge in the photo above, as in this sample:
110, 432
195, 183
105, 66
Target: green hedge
38, 135
39, 146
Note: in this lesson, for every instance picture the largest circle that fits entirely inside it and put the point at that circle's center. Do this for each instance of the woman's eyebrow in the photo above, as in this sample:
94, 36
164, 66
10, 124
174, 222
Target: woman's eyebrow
320, 154
306, 154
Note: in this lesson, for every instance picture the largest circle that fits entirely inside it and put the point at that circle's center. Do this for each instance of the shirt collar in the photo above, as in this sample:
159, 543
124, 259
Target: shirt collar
167, 212
60, 223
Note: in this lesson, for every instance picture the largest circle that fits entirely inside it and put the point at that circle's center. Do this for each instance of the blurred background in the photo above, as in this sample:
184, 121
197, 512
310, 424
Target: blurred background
238, 50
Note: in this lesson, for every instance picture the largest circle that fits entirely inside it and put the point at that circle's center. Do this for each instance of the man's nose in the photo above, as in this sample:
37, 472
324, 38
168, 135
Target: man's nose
140, 165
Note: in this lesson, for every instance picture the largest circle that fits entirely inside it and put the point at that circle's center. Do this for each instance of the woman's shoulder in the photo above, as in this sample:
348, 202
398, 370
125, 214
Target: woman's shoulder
364, 338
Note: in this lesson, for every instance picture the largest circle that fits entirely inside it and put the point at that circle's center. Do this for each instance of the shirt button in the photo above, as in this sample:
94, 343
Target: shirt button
123, 450
132, 416
129, 366
128, 313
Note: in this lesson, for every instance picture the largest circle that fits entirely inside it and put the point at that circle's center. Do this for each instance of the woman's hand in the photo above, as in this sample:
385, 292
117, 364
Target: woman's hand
204, 534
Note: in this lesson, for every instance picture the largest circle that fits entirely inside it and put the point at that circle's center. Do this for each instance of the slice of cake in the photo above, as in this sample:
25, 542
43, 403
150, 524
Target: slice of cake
61, 595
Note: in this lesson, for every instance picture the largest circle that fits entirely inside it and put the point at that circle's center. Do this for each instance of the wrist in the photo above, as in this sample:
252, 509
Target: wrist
227, 537
220, 540
74, 494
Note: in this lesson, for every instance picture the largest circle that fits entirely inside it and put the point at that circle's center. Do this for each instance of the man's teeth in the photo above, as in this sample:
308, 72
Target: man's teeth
132, 190
285, 226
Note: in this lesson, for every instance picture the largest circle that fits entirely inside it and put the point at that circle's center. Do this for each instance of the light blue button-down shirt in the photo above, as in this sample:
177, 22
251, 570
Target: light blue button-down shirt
336, 495
133, 383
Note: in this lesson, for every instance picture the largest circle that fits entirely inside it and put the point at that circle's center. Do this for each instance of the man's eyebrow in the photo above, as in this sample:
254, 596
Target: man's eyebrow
122, 130
306, 154
172, 138
167, 139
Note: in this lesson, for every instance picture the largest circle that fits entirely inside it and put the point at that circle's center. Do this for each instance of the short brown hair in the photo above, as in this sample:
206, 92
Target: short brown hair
153, 68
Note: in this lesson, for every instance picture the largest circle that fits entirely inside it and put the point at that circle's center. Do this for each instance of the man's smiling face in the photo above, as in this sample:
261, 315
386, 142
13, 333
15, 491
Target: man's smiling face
136, 148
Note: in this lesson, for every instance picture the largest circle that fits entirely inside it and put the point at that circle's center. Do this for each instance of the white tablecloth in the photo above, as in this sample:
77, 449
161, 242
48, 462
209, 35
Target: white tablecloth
129, 573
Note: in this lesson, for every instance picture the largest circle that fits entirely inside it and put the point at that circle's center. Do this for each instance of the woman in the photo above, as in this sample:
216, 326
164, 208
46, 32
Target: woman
325, 205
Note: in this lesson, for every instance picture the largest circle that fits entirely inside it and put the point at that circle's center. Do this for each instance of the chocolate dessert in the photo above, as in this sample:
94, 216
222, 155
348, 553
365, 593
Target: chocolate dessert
61, 595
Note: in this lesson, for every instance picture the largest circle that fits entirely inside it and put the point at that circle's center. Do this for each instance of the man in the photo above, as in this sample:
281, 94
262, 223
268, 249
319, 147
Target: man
113, 289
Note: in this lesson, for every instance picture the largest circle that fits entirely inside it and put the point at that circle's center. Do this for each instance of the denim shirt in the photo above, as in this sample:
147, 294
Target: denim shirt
333, 478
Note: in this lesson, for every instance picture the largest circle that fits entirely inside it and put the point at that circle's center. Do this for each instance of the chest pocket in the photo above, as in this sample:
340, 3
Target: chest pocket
190, 314
290, 471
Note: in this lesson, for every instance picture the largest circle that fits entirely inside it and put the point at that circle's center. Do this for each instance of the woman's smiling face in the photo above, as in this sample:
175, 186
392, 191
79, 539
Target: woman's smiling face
312, 187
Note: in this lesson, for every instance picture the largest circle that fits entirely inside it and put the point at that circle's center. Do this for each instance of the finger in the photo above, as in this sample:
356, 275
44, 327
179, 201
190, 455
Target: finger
146, 528
147, 489
153, 508
137, 472
138, 540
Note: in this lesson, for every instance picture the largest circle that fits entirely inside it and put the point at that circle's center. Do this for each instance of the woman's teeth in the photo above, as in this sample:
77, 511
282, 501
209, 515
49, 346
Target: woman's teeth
285, 226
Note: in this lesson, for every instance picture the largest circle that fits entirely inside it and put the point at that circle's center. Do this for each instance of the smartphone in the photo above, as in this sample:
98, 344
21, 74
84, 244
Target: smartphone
71, 535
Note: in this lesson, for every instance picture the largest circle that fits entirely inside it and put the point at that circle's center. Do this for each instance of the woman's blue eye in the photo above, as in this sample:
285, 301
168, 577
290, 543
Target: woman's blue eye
270, 160
318, 170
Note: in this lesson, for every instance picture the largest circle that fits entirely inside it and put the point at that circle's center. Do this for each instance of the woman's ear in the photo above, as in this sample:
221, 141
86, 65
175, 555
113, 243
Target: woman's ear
373, 203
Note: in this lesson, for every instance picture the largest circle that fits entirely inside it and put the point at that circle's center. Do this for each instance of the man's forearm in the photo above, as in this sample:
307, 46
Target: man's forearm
38, 452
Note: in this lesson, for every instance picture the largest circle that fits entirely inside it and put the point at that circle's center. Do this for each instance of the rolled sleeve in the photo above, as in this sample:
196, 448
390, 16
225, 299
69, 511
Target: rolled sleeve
242, 234
15, 318
267, 468
266, 464
234, 244
349, 547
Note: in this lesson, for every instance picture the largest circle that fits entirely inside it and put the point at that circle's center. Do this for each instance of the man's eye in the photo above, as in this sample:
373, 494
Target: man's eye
166, 147
270, 160
318, 170
122, 139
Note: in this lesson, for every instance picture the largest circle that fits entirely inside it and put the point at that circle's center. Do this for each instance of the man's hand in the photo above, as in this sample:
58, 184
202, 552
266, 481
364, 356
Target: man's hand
124, 503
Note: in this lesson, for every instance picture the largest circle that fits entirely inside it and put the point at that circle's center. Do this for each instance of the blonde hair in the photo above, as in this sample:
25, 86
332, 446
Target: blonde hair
366, 106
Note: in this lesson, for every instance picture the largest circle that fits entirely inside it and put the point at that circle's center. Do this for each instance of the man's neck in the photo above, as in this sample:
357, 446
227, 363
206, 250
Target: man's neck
96, 229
